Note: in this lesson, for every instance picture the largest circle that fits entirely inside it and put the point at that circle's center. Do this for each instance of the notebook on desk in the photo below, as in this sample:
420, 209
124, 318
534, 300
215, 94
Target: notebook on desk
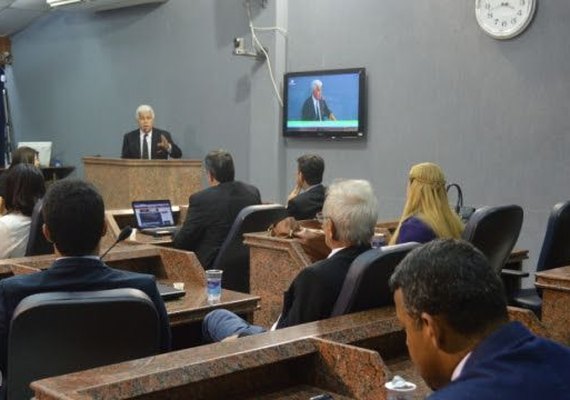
154, 217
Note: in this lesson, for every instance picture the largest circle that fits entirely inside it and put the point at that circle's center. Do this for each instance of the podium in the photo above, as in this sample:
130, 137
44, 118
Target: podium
120, 181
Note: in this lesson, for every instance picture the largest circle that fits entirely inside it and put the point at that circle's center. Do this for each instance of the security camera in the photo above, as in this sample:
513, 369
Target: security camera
239, 45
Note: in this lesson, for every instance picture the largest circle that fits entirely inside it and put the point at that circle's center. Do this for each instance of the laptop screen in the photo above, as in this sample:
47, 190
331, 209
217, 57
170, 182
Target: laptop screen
153, 213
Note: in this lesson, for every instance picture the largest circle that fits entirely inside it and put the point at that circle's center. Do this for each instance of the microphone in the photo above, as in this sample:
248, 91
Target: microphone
125, 233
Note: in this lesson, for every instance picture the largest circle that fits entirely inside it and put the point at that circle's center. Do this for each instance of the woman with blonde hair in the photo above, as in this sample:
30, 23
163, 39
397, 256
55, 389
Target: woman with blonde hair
427, 214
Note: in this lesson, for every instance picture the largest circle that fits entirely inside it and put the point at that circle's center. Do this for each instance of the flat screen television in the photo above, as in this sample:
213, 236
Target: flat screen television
328, 104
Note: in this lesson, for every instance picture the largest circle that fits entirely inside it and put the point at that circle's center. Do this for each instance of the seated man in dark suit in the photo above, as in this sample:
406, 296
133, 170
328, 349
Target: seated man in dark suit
148, 142
453, 308
307, 199
74, 221
350, 212
212, 211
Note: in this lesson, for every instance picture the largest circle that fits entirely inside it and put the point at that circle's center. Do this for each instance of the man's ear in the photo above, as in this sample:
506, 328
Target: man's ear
300, 178
105, 227
46, 233
332, 229
435, 330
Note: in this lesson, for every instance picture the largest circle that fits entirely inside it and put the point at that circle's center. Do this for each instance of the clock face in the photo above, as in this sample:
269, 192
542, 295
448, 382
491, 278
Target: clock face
504, 19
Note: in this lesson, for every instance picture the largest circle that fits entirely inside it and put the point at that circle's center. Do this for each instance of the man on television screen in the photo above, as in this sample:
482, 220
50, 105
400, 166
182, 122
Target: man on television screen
315, 107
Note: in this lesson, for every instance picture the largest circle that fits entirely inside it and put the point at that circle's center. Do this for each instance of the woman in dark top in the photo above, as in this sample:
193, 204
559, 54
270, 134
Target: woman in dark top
427, 214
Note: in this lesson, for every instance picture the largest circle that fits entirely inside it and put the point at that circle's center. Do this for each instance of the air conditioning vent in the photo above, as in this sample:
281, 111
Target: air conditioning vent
98, 5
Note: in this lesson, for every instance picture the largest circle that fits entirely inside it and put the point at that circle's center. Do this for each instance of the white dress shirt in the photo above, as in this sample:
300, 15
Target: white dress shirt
459, 368
14, 234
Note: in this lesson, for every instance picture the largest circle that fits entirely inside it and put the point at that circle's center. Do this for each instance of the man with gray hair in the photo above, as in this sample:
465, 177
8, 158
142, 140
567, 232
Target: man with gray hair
315, 108
148, 142
349, 216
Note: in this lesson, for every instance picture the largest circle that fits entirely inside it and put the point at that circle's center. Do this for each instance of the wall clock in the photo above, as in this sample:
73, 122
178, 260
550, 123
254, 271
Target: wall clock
504, 19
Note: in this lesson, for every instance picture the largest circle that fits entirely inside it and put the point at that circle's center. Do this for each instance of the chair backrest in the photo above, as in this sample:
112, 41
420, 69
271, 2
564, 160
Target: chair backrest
37, 243
233, 257
366, 283
555, 250
494, 231
60, 332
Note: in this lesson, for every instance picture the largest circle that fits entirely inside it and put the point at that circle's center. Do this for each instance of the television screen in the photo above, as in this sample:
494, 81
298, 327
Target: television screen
324, 104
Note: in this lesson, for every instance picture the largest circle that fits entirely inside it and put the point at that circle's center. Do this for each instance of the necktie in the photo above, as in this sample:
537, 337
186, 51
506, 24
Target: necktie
145, 148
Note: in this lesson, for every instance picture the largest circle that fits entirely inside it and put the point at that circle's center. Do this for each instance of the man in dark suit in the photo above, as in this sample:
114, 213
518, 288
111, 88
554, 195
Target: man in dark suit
148, 142
315, 108
212, 211
74, 222
350, 213
308, 196
453, 308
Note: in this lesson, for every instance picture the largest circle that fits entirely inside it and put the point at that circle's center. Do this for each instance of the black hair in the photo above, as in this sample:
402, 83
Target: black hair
74, 213
24, 187
453, 279
23, 155
220, 165
312, 167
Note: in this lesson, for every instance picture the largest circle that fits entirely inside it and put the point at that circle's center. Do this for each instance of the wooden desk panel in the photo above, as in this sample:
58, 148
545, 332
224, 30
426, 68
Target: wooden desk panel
293, 363
555, 285
120, 181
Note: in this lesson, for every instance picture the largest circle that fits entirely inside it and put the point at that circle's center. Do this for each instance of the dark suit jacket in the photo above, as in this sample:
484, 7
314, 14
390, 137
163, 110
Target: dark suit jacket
512, 363
74, 274
211, 214
308, 113
306, 205
313, 293
3, 184
132, 145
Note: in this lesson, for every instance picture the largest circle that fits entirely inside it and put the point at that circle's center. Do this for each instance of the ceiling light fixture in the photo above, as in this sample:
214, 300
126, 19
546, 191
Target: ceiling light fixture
59, 3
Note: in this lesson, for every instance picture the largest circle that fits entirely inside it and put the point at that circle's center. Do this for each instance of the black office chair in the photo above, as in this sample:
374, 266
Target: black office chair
494, 231
233, 257
366, 283
61, 332
555, 253
37, 243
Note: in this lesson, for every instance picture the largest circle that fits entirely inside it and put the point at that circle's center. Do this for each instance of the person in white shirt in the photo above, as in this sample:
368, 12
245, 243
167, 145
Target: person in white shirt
24, 187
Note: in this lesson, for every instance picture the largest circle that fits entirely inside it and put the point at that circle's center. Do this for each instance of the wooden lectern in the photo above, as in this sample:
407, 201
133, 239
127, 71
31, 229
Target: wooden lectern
121, 181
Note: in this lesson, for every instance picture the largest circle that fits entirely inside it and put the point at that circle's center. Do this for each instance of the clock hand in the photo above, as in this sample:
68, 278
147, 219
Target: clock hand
507, 4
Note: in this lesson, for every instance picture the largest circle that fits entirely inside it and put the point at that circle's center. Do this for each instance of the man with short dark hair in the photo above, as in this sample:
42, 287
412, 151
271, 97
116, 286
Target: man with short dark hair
73, 212
308, 196
212, 211
453, 308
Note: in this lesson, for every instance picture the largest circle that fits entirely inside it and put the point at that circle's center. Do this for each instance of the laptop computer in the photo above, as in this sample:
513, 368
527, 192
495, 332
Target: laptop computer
154, 217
